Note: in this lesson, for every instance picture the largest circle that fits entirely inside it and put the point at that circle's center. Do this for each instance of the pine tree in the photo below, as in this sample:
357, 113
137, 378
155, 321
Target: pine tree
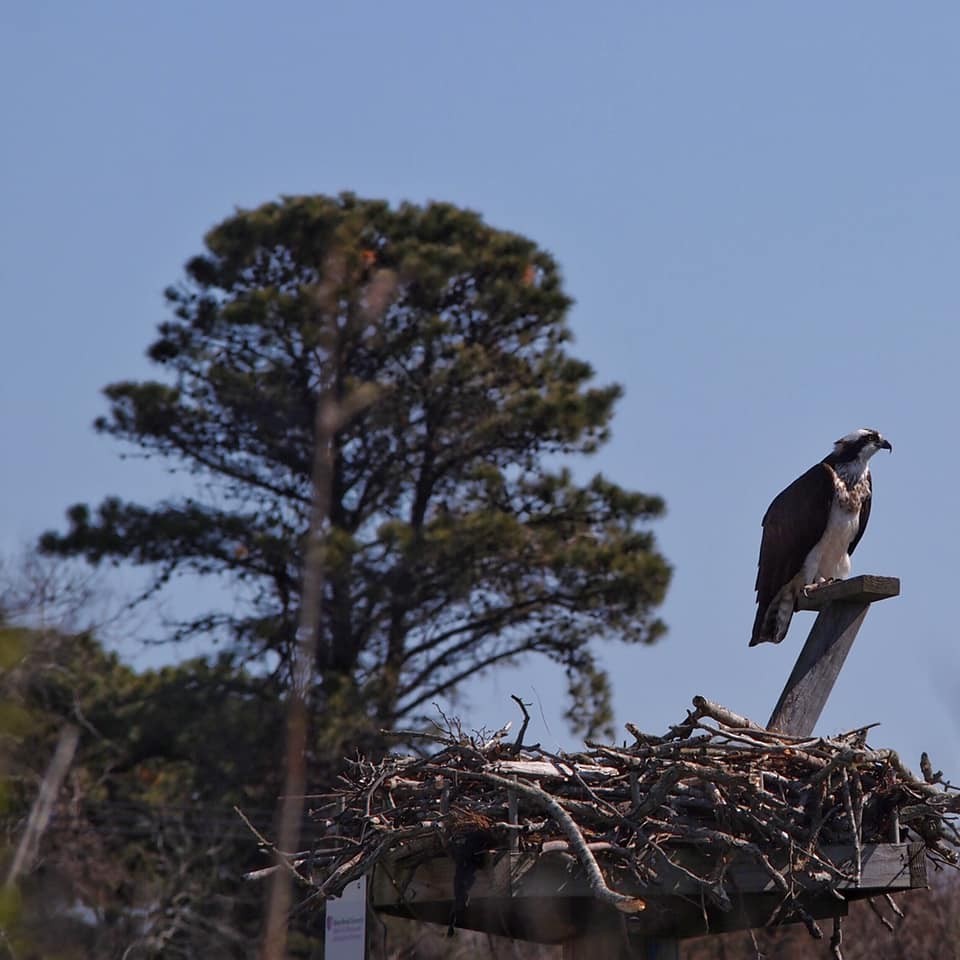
453, 541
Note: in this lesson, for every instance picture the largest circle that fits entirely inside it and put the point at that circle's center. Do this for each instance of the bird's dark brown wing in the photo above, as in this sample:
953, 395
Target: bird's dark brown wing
864, 515
792, 527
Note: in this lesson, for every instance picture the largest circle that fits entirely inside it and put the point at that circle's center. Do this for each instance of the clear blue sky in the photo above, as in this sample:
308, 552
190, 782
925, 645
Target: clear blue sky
756, 206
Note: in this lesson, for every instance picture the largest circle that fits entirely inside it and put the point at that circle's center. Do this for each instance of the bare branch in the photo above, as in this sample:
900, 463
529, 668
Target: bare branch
43, 805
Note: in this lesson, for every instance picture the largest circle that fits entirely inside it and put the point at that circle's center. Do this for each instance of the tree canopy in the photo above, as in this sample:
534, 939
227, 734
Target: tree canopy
143, 853
455, 539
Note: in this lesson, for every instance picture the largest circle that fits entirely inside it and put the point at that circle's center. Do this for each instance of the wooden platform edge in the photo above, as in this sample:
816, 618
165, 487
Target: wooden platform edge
545, 898
867, 588
885, 867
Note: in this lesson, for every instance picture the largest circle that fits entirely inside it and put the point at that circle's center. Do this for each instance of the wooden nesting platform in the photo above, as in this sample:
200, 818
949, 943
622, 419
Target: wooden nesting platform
545, 898
717, 825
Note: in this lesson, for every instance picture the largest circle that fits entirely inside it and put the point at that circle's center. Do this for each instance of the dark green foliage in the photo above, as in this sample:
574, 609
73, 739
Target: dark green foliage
144, 853
452, 544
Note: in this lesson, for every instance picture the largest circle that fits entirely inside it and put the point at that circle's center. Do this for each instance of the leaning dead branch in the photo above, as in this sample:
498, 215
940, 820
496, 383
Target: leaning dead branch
716, 787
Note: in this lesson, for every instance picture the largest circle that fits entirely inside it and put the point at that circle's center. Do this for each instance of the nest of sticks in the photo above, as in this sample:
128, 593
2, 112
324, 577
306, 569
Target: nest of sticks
716, 782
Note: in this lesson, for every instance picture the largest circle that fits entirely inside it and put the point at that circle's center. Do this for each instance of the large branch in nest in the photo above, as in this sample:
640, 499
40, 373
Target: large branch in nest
566, 823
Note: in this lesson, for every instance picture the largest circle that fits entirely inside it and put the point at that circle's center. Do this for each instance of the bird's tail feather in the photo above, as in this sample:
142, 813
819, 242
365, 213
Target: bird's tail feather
771, 624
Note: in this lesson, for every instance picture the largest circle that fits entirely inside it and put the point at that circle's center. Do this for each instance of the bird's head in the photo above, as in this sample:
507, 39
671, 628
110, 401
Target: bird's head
860, 445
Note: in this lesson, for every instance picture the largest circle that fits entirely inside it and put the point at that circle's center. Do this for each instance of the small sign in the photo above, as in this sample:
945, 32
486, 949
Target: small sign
346, 923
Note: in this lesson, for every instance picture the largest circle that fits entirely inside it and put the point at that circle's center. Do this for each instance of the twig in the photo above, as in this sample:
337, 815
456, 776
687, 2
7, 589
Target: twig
526, 720
854, 830
879, 915
893, 905
836, 939
706, 708
283, 860
926, 768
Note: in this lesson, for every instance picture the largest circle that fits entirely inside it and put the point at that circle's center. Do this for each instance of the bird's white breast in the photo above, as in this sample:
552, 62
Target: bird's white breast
829, 559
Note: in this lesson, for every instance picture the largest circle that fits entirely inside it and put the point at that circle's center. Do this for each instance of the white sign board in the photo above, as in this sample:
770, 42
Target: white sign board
346, 923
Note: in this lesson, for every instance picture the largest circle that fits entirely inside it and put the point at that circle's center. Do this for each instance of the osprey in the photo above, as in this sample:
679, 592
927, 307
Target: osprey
811, 529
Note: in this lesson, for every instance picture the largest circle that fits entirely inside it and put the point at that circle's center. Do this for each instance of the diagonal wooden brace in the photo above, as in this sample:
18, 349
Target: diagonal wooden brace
843, 606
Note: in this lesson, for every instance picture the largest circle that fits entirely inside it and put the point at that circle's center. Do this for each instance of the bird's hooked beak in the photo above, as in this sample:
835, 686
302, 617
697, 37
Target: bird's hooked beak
885, 444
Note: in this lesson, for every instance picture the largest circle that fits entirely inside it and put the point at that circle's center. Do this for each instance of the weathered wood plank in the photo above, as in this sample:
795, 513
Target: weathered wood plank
864, 589
885, 866
544, 898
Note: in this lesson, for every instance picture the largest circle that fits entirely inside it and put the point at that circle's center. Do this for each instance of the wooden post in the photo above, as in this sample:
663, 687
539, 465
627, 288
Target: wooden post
843, 606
